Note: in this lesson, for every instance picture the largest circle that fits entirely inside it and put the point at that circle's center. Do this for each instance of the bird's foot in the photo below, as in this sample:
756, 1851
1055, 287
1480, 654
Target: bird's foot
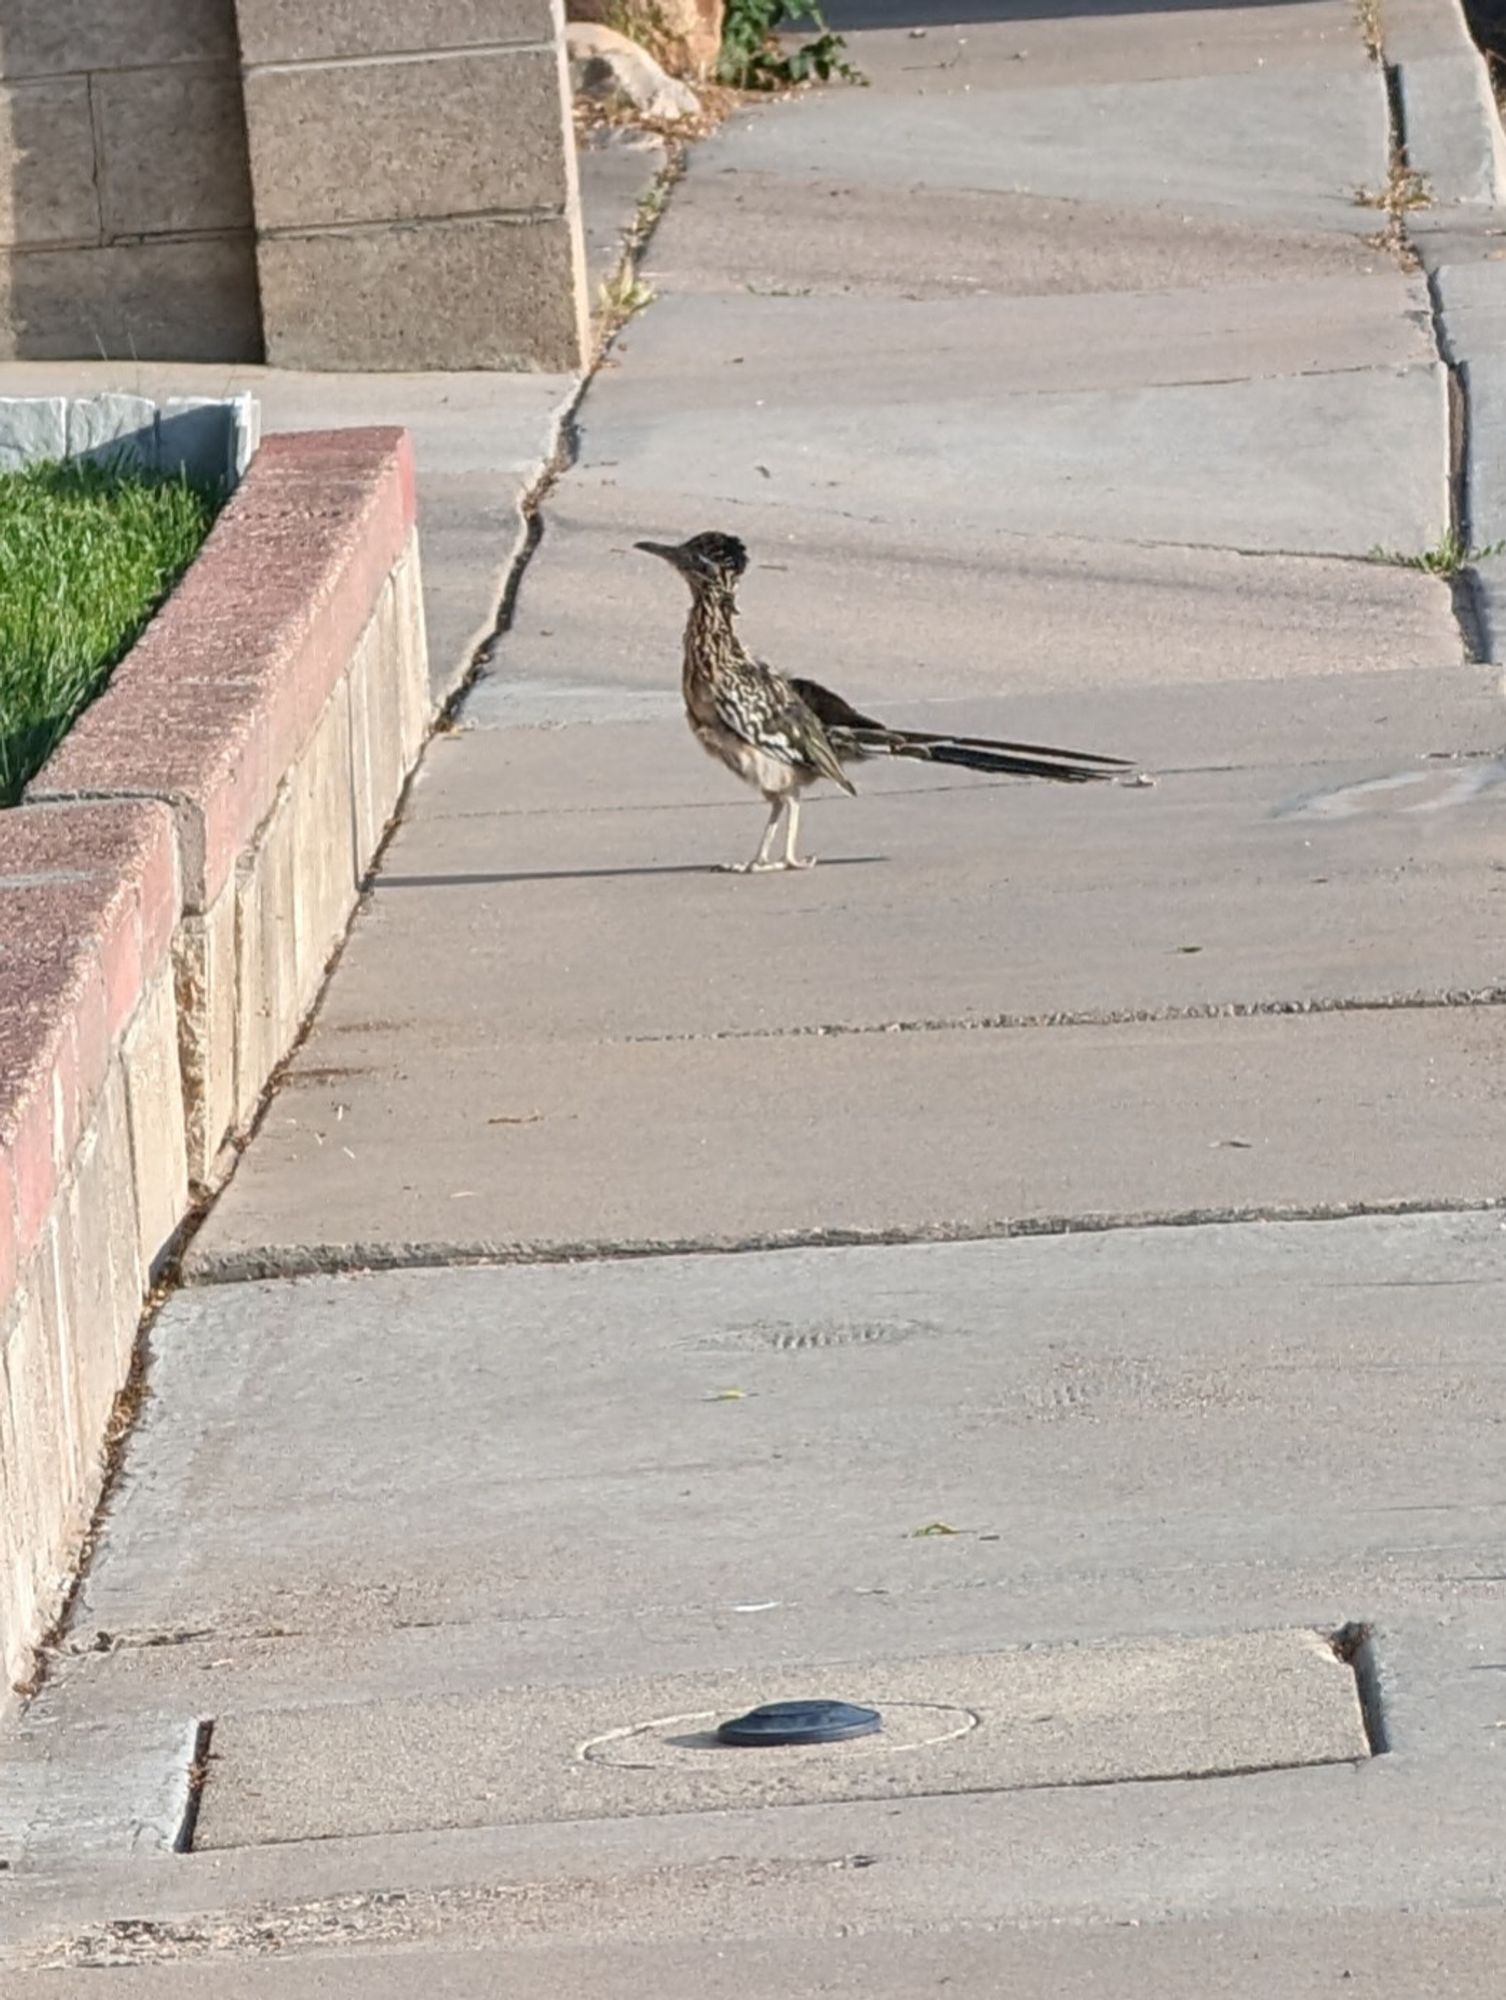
764, 867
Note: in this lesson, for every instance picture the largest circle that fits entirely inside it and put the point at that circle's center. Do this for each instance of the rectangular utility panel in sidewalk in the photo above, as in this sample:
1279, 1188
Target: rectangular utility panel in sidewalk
1042, 1716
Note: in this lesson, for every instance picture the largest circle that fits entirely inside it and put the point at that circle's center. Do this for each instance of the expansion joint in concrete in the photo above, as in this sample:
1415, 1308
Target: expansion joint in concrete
350, 1259
1463, 584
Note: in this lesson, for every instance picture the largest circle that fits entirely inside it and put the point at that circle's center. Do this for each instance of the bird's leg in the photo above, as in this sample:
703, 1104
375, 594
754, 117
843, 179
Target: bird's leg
760, 864
791, 837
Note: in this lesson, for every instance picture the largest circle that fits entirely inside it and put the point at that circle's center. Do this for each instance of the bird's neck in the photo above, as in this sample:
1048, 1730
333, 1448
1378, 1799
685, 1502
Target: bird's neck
709, 633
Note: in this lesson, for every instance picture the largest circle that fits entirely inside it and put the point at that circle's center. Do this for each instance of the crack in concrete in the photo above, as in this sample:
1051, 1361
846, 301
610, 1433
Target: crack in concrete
1106, 1017
1076, 537
234, 1267
471, 1914
566, 453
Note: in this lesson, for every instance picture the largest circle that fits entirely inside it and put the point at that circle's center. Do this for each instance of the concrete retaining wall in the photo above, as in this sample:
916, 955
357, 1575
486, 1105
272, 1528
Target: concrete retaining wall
170, 894
125, 192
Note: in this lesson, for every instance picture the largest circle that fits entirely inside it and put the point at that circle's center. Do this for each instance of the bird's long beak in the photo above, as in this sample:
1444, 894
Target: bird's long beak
670, 555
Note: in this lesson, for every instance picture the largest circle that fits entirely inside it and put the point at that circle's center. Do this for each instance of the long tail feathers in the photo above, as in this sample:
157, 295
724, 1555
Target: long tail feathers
1015, 749
854, 735
1016, 760
1013, 763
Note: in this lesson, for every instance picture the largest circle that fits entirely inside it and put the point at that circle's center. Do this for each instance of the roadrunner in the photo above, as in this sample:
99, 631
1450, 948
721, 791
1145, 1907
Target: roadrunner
780, 735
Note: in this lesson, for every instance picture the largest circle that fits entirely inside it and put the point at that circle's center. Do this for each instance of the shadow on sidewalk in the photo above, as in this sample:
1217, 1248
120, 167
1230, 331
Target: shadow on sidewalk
590, 874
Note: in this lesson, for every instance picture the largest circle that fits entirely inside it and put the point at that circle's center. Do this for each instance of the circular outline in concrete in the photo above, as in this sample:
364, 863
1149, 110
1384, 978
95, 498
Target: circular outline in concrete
908, 1725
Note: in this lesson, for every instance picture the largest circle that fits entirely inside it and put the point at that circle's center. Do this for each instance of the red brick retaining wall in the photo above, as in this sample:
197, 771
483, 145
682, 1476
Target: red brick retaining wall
170, 892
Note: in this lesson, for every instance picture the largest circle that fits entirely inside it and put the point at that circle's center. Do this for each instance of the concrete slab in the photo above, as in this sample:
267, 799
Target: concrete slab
964, 902
1000, 45
107, 1787
942, 608
1320, 464
1109, 1714
731, 353
1452, 126
542, 1474
970, 915
1044, 160
1453, 130
1288, 143
617, 169
1307, 1112
756, 231
1280, 1958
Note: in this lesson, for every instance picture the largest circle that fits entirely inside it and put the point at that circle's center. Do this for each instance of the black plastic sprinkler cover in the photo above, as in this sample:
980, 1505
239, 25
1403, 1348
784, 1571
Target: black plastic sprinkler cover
800, 1722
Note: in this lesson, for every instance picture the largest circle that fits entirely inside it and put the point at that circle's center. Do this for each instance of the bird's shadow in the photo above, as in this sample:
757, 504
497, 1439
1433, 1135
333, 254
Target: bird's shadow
592, 874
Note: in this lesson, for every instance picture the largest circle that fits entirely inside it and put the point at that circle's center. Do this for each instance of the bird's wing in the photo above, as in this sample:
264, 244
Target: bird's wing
854, 735
761, 707
829, 709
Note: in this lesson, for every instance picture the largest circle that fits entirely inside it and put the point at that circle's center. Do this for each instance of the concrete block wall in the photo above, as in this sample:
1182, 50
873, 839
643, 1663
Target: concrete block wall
125, 191
414, 181
171, 890
407, 200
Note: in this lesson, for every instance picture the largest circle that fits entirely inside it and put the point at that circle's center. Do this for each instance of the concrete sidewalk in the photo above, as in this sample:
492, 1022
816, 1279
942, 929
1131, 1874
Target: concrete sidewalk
1039, 1273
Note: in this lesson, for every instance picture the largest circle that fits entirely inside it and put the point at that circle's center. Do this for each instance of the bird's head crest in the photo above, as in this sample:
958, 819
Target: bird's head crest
706, 558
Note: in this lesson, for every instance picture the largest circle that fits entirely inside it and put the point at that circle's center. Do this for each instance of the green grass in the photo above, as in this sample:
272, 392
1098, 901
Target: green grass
1446, 558
87, 553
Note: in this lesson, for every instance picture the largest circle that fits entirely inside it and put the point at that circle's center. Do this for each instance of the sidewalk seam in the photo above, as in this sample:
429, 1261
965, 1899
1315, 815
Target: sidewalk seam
1096, 1017
1463, 585
234, 1267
